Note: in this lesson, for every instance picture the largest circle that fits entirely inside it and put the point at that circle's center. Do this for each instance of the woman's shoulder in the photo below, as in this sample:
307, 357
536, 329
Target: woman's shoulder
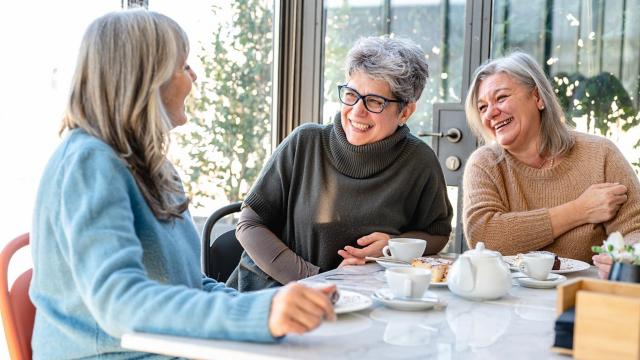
80, 147
592, 143
486, 154
305, 132
308, 129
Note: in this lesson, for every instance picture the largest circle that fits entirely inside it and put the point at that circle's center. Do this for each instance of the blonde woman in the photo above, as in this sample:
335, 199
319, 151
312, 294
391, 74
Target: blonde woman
537, 185
114, 247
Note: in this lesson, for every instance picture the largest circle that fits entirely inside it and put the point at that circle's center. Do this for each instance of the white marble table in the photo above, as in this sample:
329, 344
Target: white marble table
517, 326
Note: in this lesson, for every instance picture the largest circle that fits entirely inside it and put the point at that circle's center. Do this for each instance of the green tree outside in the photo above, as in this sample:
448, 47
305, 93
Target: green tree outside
228, 134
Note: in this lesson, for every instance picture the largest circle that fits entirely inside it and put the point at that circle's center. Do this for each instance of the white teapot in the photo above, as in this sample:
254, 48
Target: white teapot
479, 274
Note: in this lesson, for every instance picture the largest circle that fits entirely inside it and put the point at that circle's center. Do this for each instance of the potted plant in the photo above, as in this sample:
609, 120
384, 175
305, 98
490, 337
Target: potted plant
626, 258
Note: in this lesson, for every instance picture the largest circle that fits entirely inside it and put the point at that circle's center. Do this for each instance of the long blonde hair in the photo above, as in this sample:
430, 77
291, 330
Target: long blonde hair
555, 138
124, 59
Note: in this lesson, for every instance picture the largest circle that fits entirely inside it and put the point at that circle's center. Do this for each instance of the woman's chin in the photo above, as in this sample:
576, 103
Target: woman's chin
357, 139
505, 140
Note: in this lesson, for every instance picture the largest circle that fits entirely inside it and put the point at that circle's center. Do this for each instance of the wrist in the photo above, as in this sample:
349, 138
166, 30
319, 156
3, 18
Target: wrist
577, 213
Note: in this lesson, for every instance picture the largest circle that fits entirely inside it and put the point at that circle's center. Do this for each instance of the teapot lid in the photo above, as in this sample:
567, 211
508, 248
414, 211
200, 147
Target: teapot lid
481, 251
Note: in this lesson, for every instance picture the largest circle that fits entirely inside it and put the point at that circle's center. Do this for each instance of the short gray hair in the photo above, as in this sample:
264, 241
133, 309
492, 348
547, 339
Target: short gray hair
555, 138
399, 62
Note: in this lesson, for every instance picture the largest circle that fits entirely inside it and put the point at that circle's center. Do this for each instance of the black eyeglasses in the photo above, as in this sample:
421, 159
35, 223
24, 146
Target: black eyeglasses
373, 103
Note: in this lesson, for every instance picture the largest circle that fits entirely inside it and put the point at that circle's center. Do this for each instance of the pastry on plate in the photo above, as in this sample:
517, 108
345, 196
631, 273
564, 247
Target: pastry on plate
439, 267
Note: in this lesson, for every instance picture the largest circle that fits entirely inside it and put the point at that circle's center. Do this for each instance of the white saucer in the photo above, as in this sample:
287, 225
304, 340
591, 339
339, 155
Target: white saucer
439, 284
391, 264
382, 277
386, 297
552, 281
351, 301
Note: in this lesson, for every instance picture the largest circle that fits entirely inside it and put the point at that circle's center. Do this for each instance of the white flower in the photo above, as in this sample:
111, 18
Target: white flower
625, 257
615, 240
636, 249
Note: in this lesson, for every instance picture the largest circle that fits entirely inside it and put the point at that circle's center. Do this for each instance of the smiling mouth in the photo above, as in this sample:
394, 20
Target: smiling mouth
502, 124
360, 126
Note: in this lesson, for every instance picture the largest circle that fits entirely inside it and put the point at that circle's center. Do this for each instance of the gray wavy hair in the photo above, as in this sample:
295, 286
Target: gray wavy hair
555, 138
399, 62
124, 59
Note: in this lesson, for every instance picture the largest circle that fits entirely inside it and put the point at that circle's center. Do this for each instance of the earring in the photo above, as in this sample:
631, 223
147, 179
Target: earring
401, 124
541, 107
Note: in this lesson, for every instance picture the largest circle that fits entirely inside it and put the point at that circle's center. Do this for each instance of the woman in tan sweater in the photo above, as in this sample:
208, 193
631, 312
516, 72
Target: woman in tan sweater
538, 185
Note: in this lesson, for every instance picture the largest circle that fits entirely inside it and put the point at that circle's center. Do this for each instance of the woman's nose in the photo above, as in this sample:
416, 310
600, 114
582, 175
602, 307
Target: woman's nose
193, 75
359, 107
492, 111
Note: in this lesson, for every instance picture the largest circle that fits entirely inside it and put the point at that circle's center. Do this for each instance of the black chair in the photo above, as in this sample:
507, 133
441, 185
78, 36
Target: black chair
220, 256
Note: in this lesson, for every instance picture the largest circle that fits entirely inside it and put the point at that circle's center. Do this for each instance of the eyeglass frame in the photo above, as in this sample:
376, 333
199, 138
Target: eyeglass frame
364, 99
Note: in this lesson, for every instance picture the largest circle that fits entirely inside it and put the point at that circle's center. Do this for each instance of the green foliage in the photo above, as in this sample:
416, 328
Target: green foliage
601, 99
606, 103
228, 135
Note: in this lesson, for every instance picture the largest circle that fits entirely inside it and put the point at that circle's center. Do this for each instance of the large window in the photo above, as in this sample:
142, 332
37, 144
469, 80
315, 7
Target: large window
222, 148
589, 50
436, 25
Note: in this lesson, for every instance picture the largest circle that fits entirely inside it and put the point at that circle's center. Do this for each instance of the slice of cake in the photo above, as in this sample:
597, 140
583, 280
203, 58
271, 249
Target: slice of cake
439, 267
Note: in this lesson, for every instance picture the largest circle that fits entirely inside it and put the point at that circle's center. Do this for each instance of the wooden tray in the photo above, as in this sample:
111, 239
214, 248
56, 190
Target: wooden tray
607, 317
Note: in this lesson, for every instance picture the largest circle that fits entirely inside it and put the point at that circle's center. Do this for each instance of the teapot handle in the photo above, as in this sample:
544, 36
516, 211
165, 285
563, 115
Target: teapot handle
468, 281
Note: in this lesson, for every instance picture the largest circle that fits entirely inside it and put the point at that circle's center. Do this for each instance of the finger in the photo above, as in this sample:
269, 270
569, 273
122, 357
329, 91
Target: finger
293, 326
329, 289
353, 261
318, 304
602, 274
371, 238
366, 240
605, 185
620, 199
355, 252
618, 189
345, 254
324, 301
304, 313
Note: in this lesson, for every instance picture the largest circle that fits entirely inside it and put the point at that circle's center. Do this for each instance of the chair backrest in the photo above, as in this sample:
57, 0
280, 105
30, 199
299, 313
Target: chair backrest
220, 256
18, 312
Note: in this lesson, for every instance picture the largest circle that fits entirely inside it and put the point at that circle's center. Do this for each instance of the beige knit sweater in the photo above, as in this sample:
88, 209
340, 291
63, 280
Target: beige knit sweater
507, 204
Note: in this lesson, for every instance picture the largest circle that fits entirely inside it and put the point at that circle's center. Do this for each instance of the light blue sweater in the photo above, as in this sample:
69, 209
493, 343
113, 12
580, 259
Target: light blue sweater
104, 265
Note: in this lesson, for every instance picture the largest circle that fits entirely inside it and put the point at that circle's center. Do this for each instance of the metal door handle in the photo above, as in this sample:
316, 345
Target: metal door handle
453, 135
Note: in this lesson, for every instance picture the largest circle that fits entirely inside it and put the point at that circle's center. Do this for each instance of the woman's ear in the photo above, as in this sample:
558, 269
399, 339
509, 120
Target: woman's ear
406, 112
539, 102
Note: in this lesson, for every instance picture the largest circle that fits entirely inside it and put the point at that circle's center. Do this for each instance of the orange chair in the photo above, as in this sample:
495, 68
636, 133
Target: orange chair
18, 312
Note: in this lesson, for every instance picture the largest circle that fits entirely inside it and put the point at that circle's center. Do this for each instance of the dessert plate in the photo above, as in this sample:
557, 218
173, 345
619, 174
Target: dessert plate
566, 265
386, 297
391, 263
552, 281
351, 301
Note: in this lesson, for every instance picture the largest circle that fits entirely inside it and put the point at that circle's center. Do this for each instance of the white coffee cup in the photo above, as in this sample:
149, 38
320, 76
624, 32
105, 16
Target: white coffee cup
408, 282
537, 265
404, 249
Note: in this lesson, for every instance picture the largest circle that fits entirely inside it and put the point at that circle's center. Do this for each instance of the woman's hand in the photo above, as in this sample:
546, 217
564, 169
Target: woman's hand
297, 309
601, 202
603, 262
372, 246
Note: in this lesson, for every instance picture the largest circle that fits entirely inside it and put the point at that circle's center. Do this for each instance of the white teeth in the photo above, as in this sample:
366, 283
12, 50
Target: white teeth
502, 123
359, 125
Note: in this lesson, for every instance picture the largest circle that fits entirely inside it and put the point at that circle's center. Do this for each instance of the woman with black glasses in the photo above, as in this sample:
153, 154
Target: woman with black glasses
332, 194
